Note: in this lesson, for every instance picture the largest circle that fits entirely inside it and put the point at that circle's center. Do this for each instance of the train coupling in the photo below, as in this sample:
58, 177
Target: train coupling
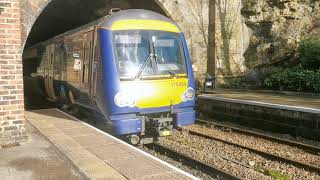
163, 133
163, 126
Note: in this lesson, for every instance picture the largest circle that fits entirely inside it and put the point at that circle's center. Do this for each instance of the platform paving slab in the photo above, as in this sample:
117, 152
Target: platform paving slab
88, 164
95, 154
36, 159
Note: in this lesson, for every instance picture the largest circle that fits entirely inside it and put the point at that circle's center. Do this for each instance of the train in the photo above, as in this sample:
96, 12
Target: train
133, 66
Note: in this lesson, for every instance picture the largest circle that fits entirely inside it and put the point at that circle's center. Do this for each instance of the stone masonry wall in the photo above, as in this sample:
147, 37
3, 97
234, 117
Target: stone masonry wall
231, 37
12, 122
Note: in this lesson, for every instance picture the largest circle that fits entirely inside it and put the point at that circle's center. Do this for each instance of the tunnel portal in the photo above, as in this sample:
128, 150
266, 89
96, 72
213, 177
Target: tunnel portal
62, 15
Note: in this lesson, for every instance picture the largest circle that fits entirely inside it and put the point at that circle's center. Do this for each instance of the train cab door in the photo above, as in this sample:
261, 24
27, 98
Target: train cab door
50, 52
93, 81
87, 65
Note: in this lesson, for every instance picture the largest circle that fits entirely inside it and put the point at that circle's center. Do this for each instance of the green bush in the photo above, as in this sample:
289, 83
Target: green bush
310, 53
305, 77
294, 79
233, 83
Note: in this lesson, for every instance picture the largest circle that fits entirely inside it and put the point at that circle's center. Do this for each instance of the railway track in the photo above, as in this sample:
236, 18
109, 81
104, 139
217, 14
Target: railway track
194, 163
264, 154
306, 147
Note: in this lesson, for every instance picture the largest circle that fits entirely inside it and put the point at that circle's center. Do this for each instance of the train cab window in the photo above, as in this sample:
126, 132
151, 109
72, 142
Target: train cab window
131, 50
162, 50
169, 52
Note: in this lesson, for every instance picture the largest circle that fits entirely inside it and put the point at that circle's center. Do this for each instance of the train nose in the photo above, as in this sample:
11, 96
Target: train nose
154, 93
132, 95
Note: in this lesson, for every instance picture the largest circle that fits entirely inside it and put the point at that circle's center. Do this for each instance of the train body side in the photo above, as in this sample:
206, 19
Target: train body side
66, 66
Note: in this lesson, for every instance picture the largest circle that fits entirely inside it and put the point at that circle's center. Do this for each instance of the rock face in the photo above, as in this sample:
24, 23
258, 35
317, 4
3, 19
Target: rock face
276, 28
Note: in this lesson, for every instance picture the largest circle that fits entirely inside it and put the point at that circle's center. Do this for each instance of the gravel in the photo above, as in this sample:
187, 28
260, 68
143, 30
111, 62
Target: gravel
186, 168
230, 158
261, 144
206, 151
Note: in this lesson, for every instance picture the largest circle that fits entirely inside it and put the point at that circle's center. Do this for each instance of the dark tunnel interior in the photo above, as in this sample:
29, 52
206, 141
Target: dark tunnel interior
63, 15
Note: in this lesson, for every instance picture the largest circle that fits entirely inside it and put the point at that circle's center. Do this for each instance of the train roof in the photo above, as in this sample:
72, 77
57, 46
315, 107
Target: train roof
131, 14
109, 20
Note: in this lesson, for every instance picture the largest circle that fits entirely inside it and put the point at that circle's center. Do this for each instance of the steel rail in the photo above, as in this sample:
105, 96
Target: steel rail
306, 147
267, 155
206, 168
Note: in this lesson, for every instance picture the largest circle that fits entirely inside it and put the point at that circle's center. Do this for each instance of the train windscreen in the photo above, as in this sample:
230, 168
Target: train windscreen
146, 54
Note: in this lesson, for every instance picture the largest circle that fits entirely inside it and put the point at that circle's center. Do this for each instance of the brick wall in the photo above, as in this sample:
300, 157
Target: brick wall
12, 122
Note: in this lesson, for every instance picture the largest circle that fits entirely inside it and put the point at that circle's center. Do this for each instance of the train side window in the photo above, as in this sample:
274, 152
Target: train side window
83, 73
83, 64
87, 65
89, 61
51, 59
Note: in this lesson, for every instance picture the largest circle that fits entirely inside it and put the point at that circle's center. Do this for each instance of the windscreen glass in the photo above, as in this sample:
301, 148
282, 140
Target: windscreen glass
141, 53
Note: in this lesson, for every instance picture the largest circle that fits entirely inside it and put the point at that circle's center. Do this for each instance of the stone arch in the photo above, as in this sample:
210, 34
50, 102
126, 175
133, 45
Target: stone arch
31, 10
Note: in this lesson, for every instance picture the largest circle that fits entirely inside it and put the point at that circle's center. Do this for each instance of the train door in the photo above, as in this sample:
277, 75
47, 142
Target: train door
94, 66
50, 52
87, 65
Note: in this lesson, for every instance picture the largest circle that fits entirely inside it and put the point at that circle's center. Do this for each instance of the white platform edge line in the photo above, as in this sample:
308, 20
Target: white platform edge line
250, 102
134, 148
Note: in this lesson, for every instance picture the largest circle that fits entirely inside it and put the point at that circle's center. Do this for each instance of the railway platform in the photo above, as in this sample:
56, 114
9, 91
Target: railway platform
283, 112
264, 97
96, 154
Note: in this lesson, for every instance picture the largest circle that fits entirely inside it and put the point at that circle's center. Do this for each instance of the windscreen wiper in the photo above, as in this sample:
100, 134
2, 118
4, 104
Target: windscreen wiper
165, 65
157, 61
146, 62
144, 65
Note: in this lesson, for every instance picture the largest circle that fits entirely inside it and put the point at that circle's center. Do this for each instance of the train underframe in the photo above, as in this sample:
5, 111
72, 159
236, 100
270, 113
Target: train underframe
152, 126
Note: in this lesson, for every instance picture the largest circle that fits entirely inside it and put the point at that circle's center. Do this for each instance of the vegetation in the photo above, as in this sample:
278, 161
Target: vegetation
275, 174
310, 54
233, 83
304, 77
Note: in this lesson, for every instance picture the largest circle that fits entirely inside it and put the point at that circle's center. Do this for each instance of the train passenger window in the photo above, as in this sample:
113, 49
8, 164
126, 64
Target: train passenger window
90, 61
87, 56
51, 59
83, 72
83, 65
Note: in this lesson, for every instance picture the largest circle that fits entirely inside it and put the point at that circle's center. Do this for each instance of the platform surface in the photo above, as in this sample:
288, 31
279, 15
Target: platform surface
96, 154
268, 98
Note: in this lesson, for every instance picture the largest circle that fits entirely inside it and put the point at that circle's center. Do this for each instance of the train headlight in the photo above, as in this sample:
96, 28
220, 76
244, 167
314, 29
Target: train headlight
124, 100
188, 94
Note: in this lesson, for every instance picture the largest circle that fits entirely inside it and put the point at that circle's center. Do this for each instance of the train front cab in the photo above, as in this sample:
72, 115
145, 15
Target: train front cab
147, 79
